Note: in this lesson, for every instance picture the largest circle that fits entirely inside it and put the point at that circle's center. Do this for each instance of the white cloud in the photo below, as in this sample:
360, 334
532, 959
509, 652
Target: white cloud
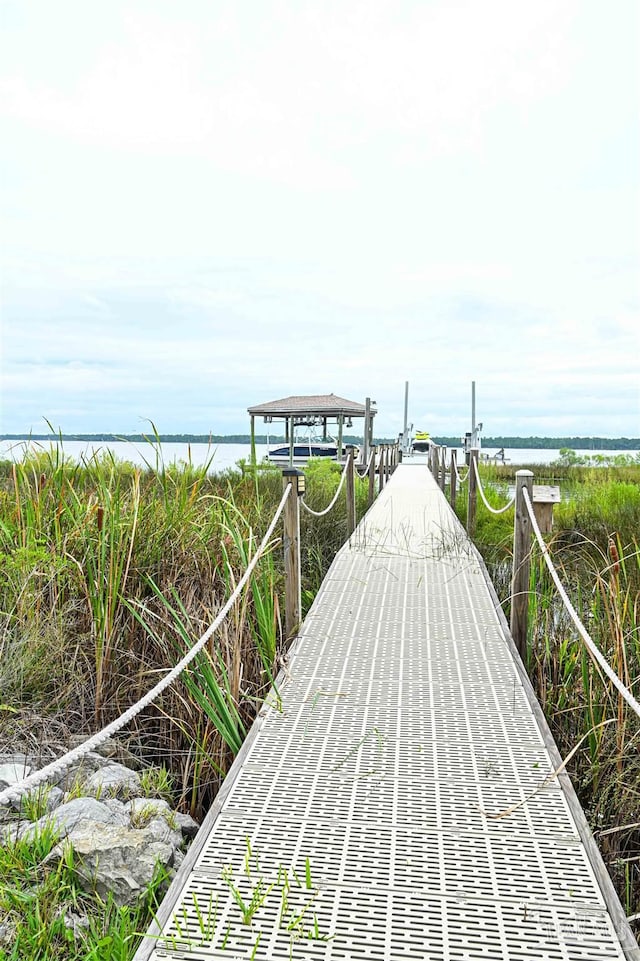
210, 205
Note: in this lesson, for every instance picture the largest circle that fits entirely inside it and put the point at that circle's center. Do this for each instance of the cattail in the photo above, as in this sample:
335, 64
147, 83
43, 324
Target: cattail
614, 557
100, 516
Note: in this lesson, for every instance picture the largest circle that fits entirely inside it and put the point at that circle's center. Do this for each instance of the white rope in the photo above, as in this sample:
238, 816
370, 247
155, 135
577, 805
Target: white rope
366, 469
15, 791
335, 498
461, 480
494, 510
593, 650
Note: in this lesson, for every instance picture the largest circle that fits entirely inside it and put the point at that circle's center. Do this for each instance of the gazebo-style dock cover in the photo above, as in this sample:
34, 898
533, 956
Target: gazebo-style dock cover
313, 410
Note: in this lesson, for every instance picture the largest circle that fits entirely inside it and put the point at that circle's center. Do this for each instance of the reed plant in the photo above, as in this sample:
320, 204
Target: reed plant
596, 548
109, 572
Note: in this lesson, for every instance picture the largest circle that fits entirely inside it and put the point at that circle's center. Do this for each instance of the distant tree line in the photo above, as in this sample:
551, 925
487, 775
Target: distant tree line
525, 443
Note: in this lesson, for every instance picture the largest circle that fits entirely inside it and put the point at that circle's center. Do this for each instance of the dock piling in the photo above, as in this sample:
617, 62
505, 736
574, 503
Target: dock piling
521, 563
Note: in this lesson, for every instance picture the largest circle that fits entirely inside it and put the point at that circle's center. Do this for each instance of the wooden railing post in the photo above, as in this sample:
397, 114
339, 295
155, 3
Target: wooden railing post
387, 463
453, 479
381, 468
351, 490
372, 475
443, 467
472, 495
292, 579
521, 563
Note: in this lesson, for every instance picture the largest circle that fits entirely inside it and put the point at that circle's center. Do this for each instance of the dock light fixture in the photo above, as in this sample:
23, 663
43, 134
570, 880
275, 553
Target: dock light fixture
296, 478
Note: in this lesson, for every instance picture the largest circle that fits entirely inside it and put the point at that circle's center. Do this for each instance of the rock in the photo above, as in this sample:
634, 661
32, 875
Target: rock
178, 858
113, 779
115, 860
69, 815
78, 772
118, 808
65, 818
117, 844
160, 830
13, 771
187, 825
55, 797
146, 808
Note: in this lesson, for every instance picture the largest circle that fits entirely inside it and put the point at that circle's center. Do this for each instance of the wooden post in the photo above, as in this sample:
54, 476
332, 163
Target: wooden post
387, 463
253, 441
289, 435
351, 490
453, 479
443, 467
339, 450
372, 475
472, 495
433, 459
521, 563
292, 578
381, 469
366, 439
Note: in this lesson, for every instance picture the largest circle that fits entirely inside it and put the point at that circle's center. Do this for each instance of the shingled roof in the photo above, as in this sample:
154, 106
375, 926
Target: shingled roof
314, 405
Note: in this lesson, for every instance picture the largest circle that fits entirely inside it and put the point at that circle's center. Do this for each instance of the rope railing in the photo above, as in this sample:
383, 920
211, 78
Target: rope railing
591, 647
16, 791
365, 471
493, 510
461, 480
310, 510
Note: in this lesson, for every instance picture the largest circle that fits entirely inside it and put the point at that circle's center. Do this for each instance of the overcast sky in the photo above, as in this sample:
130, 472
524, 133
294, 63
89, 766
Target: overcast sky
208, 205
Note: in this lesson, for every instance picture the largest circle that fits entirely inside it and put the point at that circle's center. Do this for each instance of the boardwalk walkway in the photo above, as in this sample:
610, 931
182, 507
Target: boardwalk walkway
360, 816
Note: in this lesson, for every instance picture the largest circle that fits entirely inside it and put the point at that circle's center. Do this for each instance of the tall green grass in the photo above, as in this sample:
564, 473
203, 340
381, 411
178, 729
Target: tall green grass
595, 545
109, 573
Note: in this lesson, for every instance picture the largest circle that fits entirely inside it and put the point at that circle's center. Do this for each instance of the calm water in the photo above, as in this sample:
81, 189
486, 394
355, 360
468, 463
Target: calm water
222, 456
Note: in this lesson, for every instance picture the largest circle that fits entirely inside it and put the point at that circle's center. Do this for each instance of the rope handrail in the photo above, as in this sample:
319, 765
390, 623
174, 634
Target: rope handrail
15, 791
461, 480
591, 647
494, 510
366, 469
310, 510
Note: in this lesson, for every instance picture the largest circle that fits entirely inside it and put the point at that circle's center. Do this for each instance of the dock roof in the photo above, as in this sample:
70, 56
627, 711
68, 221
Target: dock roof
314, 405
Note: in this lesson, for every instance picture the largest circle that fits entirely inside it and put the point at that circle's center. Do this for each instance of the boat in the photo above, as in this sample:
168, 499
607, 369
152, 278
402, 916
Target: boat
421, 442
304, 451
308, 446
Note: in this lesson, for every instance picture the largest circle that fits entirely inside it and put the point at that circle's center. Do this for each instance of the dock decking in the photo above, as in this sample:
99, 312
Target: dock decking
362, 816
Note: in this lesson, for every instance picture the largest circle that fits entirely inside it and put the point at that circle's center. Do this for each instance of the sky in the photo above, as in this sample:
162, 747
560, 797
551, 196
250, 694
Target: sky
208, 205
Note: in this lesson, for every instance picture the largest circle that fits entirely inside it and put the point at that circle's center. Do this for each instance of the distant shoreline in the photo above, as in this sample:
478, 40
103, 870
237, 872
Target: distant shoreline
522, 443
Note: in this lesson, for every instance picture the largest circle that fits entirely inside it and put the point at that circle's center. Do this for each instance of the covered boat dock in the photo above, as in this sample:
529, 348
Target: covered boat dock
314, 410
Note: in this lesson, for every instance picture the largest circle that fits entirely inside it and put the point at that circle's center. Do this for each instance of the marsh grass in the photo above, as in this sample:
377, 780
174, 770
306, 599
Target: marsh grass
108, 573
596, 549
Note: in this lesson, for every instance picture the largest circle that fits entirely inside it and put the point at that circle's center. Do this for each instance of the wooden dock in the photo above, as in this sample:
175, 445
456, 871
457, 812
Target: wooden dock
393, 798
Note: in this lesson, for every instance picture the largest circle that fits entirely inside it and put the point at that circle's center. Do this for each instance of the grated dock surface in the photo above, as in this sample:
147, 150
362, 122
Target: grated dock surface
366, 819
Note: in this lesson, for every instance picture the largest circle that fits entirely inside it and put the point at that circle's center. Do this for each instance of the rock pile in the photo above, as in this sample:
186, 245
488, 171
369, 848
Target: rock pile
118, 835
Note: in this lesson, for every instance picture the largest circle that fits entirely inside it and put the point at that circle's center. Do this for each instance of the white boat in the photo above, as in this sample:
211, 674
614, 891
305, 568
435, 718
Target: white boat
309, 445
304, 451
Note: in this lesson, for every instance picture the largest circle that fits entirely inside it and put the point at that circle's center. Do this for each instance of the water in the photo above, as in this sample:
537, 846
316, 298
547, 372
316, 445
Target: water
143, 454
225, 456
